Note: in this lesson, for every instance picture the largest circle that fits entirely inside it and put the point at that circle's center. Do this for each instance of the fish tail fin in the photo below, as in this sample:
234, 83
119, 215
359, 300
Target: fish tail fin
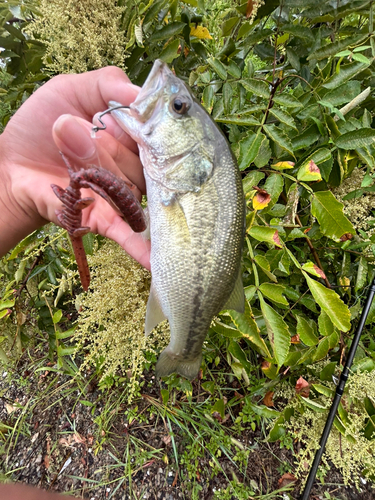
168, 363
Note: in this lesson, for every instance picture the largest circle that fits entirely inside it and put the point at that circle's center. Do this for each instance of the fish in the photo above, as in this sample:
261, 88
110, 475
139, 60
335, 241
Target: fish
196, 211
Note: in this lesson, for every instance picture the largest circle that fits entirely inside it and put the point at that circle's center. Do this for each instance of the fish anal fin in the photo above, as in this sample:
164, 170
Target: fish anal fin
154, 313
236, 299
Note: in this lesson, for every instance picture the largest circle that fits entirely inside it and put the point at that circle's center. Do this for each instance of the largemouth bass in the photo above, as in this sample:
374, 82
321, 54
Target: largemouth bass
196, 211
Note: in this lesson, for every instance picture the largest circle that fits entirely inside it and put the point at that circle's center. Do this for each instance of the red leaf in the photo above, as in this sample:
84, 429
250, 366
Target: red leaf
302, 387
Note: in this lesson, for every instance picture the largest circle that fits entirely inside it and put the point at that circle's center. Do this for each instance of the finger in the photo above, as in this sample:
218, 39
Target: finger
116, 131
93, 90
72, 136
135, 244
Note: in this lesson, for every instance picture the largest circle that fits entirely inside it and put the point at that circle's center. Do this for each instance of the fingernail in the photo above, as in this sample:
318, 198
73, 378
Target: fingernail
73, 134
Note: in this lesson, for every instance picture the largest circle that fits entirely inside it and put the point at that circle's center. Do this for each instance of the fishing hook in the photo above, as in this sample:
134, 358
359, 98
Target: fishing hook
96, 128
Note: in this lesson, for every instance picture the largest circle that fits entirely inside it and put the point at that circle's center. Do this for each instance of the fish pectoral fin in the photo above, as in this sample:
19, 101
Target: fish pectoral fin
154, 313
236, 299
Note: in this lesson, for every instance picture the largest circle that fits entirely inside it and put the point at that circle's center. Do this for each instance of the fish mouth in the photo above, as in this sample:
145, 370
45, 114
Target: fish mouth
151, 91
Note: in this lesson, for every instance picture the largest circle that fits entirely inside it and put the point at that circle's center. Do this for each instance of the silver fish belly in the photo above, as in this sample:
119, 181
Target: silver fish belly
196, 210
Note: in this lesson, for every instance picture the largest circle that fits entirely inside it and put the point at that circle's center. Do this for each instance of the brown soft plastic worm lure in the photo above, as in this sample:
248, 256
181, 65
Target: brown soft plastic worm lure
110, 187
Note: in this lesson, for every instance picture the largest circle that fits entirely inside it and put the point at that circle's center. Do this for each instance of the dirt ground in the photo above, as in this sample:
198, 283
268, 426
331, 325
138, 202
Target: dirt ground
52, 446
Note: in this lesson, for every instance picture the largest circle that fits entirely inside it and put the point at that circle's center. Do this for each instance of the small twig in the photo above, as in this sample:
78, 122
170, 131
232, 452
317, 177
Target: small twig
354, 103
24, 282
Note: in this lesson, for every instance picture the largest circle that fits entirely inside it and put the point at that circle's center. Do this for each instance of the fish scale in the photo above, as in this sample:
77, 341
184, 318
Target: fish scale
196, 211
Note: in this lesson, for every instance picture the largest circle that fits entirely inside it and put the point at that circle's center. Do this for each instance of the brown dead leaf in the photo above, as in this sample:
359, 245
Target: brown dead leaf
10, 408
267, 400
302, 387
249, 8
46, 461
167, 440
175, 479
79, 439
346, 237
286, 479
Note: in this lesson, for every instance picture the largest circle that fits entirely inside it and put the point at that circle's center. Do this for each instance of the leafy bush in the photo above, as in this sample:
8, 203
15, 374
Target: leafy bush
290, 84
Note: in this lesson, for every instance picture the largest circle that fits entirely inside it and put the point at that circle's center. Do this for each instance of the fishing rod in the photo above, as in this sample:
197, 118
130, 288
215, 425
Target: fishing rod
339, 392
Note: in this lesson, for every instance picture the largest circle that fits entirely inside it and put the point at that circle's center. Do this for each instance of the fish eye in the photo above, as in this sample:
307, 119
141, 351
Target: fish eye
180, 105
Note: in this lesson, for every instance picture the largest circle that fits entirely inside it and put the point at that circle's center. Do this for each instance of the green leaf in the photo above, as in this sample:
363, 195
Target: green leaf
266, 234
228, 25
287, 100
330, 302
333, 48
356, 139
262, 410
66, 334
277, 136
65, 351
361, 274
306, 332
299, 31
165, 395
219, 407
278, 332
170, 52
329, 214
7, 304
249, 148
252, 179
57, 316
233, 69
208, 98
227, 91
313, 405
246, 325
313, 269
257, 87
274, 293
264, 154
235, 350
344, 93
308, 172
346, 73
26, 242
326, 327
167, 32
283, 117
225, 330
306, 138
218, 67
274, 186
238, 120
88, 241
361, 58
322, 350
263, 263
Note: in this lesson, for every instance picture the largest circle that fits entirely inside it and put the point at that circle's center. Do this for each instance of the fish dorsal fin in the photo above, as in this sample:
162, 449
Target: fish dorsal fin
154, 313
236, 299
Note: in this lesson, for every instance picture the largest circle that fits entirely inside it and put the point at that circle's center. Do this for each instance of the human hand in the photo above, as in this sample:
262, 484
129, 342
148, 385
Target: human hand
22, 492
58, 117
